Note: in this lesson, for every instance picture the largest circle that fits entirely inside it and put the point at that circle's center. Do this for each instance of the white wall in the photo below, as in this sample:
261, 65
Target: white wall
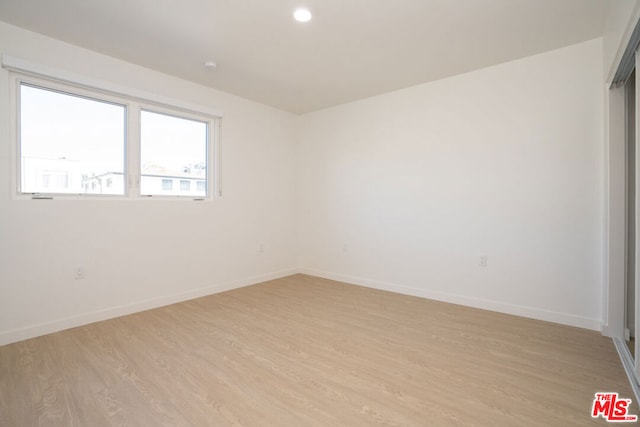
406, 190
402, 191
140, 254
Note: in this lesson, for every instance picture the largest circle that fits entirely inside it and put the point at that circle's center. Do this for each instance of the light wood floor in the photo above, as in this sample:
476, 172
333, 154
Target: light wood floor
303, 351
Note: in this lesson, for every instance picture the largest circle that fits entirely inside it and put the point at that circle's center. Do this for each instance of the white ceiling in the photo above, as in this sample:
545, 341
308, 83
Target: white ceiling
352, 49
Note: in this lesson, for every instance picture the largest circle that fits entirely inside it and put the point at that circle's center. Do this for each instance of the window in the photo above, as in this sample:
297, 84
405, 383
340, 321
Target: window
172, 147
75, 141
57, 180
75, 136
167, 185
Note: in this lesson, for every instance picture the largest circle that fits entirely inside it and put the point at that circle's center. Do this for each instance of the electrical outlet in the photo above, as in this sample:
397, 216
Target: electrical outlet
483, 260
78, 273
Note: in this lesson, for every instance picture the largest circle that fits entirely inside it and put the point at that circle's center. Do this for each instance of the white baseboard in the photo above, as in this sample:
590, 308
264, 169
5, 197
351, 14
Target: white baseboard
15, 335
607, 331
501, 307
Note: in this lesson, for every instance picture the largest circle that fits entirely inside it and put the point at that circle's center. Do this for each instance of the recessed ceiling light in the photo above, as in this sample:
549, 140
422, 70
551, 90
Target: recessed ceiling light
210, 66
302, 15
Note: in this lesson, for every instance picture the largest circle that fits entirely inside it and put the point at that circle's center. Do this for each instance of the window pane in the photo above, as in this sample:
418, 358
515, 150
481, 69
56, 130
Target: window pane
167, 184
70, 144
172, 148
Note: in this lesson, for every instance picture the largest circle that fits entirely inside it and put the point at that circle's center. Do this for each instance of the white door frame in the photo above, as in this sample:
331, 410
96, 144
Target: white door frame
615, 250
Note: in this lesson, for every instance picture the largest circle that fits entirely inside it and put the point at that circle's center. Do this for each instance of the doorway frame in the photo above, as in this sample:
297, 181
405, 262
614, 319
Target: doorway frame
614, 307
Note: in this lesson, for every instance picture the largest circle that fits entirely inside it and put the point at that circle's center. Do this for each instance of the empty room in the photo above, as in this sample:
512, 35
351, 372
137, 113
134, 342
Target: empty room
319, 213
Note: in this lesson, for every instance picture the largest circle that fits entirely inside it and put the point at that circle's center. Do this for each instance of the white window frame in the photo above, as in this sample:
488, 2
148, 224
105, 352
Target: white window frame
212, 147
18, 80
135, 101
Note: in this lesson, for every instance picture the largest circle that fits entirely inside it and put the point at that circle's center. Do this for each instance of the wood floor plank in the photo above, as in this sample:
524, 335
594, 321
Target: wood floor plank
304, 351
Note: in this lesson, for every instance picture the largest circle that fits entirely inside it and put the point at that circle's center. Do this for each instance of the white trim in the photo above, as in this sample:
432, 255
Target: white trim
615, 215
631, 25
628, 365
15, 335
500, 307
37, 70
217, 153
636, 120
